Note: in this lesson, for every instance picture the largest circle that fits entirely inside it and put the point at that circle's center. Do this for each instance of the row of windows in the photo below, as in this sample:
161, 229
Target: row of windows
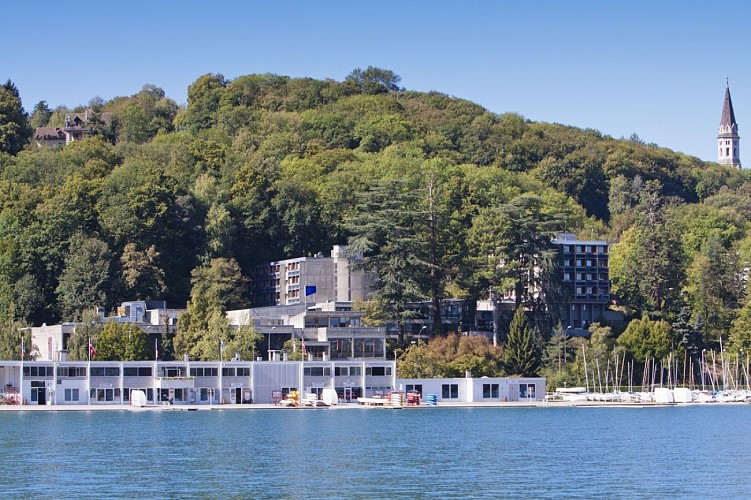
585, 248
230, 371
140, 371
71, 371
38, 371
204, 372
316, 371
586, 277
347, 371
105, 371
378, 371
586, 263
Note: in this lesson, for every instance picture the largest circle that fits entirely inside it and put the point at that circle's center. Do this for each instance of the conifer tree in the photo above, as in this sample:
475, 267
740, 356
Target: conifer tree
522, 353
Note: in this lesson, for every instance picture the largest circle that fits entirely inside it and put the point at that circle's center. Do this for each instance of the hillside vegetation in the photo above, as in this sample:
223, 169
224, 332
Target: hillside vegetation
445, 198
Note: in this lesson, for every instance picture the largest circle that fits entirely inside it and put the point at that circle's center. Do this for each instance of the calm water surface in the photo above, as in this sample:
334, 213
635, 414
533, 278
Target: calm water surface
685, 452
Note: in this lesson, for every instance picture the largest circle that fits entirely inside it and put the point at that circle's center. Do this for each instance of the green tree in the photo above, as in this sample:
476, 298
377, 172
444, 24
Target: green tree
141, 274
40, 117
85, 281
15, 131
522, 354
373, 80
646, 338
511, 250
384, 234
202, 328
740, 332
647, 265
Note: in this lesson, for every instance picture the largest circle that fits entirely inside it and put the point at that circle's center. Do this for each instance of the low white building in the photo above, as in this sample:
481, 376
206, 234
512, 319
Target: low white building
473, 390
189, 382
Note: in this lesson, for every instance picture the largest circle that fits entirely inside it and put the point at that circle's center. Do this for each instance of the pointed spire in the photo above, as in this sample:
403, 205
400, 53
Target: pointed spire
728, 116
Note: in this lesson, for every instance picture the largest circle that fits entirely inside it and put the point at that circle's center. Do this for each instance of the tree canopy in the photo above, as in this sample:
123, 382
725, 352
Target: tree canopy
441, 197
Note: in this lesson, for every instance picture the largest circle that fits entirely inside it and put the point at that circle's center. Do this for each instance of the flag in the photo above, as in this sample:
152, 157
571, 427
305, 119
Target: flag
92, 351
23, 349
310, 290
156, 350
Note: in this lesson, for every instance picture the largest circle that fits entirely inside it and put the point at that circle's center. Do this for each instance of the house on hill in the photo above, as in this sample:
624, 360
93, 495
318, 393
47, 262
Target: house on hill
77, 127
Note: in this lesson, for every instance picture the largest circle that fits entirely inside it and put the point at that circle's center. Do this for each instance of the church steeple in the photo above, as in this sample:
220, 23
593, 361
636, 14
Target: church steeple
728, 140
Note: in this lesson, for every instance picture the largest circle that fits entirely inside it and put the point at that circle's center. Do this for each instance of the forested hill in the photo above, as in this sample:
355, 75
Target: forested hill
264, 167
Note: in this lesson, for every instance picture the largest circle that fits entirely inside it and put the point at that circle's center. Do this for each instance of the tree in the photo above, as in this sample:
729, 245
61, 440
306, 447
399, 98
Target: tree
556, 359
373, 80
647, 265
203, 327
645, 338
512, 250
85, 281
40, 117
740, 332
141, 275
383, 233
522, 350
11, 335
15, 131
450, 356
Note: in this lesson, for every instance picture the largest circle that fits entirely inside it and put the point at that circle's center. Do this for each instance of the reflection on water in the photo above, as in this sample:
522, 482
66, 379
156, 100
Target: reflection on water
700, 451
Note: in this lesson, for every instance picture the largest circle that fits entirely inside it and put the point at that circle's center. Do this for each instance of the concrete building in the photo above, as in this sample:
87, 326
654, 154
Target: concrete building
153, 317
728, 140
302, 279
328, 330
584, 270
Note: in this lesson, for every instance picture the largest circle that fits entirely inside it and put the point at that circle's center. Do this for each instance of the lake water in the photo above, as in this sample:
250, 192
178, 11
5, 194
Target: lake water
686, 452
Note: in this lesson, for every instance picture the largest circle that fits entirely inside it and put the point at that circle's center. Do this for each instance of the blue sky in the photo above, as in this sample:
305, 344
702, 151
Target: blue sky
655, 68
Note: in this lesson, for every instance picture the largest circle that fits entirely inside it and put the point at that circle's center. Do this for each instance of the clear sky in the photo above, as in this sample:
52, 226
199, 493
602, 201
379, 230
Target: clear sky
656, 68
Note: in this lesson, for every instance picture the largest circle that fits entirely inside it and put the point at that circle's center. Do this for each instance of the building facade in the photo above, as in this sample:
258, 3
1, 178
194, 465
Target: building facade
728, 140
195, 383
583, 268
303, 279
189, 382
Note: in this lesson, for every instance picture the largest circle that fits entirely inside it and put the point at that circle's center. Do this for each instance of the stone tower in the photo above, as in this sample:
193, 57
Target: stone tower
728, 140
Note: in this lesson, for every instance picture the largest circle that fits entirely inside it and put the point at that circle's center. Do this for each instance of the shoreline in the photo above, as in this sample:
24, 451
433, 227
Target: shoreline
346, 406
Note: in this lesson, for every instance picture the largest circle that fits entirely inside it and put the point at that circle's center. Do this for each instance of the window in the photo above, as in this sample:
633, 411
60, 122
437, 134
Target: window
527, 391
490, 391
38, 371
317, 371
341, 371
355, 371
71, 371
378, 371
133, 371
204, 372
414, 387
566, 277
228, 372
71, 394
450, 391
243, 372
105, 371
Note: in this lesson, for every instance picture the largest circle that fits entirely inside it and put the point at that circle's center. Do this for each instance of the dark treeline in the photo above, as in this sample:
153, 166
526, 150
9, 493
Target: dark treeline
444, 198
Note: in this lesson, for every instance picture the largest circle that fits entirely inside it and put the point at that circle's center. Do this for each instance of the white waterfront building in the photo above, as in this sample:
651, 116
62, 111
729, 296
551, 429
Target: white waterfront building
236, 382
